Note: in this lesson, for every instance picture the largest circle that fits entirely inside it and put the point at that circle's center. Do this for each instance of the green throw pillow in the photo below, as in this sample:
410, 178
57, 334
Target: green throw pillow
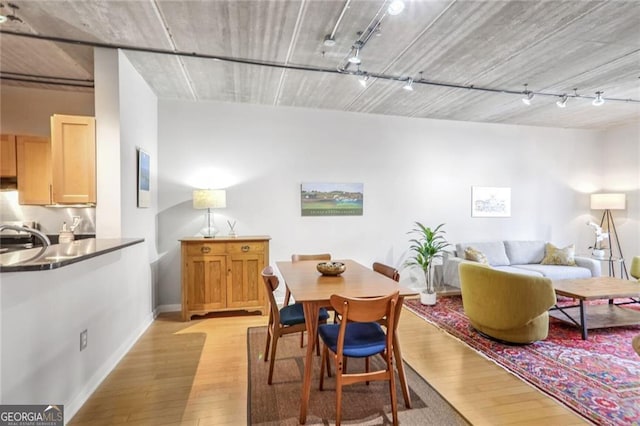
475, 255
559, 256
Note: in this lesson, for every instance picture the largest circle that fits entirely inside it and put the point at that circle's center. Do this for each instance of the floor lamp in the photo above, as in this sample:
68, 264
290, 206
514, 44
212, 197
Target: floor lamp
209, 199
608, 202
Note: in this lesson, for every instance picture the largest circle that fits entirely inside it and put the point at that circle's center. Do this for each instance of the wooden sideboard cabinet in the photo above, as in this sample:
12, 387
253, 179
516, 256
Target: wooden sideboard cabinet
223, 274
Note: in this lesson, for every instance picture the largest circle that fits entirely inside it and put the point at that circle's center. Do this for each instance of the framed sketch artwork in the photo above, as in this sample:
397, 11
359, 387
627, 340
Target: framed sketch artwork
488, 201
144, 191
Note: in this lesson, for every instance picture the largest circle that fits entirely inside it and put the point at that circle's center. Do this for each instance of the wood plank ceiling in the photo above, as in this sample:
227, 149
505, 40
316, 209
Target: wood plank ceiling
554, 46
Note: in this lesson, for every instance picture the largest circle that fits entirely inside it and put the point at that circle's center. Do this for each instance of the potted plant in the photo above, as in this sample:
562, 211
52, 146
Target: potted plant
598, 249
427, 246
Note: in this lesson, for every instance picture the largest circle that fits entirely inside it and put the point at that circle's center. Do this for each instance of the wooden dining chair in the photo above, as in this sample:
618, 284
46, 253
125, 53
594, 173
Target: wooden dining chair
286, 320
386, 270
359, 335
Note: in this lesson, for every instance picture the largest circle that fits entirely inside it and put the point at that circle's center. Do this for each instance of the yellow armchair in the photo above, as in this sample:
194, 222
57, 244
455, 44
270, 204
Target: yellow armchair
504, 306
635, 268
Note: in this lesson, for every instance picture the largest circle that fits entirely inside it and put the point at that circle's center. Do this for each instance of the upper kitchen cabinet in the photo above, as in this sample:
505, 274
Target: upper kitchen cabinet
73, 159
34, 170
8, 156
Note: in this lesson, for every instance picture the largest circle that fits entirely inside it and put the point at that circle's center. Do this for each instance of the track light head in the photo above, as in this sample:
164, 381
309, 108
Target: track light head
329, 41
355, 58
562, 103
528, 97
395, 7
408, 85
598, 100
363, 79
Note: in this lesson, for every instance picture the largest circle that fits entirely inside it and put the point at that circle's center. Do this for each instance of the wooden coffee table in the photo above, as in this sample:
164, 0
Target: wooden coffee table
597, 316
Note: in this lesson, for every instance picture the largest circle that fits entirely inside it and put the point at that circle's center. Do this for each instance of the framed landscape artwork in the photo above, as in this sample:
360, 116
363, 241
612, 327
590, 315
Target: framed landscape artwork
487, 201
144, 191
331, 199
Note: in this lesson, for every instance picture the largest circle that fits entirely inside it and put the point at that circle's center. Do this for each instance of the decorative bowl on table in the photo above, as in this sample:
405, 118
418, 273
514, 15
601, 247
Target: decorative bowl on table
331, 268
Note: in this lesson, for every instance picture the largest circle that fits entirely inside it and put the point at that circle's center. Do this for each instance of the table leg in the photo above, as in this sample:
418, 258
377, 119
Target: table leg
583, 320
311, 320
398, 355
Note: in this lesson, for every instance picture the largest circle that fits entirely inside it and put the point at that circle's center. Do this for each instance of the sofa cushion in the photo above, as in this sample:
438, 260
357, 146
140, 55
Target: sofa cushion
524, 252
493, 250
559, 256
474, 255
556, 272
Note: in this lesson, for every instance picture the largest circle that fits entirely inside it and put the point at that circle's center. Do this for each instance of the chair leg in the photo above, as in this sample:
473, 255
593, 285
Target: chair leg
317, 343
339, 373
392, 391
302, 339
322, 362
344, 364
266, 349
274, 344
366, 367
328, 361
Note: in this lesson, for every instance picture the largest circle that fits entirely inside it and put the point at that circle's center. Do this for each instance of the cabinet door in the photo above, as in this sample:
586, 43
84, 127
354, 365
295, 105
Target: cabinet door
73, 150
206, 283
34, 170
8, 156
246, 287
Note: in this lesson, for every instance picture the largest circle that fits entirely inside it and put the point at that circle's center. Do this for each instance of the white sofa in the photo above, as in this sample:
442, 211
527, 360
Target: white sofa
521, 257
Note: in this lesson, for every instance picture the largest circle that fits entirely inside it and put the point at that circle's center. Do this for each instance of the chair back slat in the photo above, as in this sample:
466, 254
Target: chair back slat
363, 309
387, 271
320, 256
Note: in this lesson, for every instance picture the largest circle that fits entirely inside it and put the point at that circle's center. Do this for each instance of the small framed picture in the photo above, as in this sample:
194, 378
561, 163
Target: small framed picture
144, 191
487, 201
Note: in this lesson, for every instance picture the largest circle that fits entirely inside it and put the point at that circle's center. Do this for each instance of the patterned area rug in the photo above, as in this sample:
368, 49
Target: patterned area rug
598, 378
279, 403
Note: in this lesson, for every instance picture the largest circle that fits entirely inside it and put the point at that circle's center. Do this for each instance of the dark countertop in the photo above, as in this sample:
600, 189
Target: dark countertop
58, 255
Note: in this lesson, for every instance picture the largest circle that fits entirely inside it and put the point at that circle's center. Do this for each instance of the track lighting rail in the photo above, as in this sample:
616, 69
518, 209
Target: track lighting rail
279, 65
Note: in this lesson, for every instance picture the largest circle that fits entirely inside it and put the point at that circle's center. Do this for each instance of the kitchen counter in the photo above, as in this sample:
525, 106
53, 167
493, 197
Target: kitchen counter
59, 255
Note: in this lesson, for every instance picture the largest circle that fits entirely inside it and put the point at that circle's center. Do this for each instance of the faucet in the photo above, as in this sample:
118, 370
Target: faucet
42, 237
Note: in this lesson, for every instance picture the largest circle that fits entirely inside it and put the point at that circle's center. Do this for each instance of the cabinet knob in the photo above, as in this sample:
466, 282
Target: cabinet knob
245, 248
205, 249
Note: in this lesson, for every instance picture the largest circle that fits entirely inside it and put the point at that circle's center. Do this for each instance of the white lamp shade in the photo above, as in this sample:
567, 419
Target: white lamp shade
209, 199
608, 201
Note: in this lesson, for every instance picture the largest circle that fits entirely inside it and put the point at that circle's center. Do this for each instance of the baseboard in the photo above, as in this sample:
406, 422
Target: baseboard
168, 308
96, 379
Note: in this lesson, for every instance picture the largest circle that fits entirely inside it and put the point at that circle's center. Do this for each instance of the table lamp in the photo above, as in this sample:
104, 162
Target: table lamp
209, 199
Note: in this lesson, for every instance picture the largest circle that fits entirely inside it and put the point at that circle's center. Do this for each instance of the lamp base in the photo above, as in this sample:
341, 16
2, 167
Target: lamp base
209, 232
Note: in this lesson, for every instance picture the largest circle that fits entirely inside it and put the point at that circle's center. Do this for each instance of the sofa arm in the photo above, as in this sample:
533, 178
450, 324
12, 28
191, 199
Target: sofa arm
450, 274
591, 264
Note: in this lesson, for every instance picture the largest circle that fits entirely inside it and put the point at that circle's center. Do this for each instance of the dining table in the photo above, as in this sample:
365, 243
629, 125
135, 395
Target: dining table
313, 290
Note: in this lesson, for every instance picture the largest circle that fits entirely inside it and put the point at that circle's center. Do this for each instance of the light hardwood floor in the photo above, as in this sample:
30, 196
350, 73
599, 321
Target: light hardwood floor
196, 374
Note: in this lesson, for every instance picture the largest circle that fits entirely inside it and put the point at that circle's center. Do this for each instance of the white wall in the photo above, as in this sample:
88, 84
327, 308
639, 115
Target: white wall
138, 129
109, 180
620, 158
412, 169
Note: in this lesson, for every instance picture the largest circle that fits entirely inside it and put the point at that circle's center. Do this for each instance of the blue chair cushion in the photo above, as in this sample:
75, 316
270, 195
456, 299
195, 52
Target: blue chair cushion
294, 314
362, 339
